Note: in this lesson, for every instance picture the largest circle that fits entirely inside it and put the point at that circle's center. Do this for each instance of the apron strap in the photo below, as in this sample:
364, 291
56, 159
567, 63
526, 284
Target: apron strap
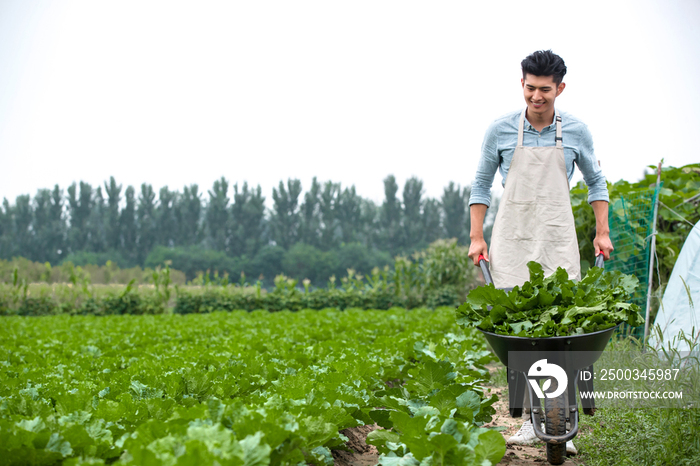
558, 139
557, 118
520, 128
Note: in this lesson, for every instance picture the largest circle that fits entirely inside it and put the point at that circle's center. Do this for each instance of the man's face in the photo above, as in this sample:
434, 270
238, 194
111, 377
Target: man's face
540, 92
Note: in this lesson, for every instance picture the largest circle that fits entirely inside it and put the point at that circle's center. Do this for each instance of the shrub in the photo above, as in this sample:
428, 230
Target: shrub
191, 260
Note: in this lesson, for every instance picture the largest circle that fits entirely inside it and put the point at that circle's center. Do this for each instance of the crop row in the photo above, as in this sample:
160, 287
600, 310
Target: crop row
62, 299
243, 388
413, 285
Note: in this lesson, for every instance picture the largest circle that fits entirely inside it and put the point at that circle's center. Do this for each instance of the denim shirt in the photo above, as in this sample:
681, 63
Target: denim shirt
502, 137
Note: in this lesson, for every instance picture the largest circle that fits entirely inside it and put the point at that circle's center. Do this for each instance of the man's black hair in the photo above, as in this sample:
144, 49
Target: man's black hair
544, 63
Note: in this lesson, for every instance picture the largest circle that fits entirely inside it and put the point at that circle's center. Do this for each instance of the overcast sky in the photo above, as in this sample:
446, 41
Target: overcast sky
176, 93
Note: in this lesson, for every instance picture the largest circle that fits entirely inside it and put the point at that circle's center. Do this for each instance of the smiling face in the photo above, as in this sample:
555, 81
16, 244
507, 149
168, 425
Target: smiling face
540, 92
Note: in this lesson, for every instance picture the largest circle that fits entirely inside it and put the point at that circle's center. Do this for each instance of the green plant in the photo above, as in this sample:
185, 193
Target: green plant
645, 433
678, 212
242, 388
34, 272
162, 282
553, 306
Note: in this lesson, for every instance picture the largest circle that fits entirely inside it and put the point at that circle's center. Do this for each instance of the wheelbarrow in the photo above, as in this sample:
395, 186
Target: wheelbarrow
574, 354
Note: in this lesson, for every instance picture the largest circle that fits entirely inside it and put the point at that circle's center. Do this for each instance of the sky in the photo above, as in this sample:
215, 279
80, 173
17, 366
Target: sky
176, 93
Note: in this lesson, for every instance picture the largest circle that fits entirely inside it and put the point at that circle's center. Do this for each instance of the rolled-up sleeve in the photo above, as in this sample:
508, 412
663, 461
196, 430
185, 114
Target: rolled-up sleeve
588, 164
488, 165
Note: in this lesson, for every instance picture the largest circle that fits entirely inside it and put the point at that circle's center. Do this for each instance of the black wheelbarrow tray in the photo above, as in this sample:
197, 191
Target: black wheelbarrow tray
574, 354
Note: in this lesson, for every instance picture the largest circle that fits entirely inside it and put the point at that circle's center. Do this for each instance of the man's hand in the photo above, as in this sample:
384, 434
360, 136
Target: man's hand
602, 243
476, 248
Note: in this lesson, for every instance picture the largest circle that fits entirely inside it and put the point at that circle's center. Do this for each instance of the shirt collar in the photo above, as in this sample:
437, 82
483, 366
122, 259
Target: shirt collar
552, 126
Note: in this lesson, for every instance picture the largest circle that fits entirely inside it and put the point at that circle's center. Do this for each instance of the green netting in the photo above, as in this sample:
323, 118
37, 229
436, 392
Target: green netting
631, 216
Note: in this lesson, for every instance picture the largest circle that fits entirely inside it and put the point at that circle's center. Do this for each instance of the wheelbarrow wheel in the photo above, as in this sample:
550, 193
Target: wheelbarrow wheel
555, 424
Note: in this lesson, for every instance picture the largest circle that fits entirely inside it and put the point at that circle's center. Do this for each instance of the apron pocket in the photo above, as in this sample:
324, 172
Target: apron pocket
521, 220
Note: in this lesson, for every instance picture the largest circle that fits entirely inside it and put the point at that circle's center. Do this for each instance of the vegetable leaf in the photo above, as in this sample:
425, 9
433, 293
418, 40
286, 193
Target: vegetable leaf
553, 305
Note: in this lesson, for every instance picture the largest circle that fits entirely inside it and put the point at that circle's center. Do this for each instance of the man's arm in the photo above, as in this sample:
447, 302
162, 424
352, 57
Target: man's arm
478, 244
590, 168
597, 191
480, 197
602, 230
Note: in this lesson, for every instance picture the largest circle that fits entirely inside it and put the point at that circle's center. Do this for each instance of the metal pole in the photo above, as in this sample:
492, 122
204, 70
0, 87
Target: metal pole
652, 250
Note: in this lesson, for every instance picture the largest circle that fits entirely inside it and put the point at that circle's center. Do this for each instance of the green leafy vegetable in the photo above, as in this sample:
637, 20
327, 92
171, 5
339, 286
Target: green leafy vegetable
243, 388
553, 306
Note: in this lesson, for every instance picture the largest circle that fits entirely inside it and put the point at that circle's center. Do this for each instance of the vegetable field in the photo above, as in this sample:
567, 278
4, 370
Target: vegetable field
244, 388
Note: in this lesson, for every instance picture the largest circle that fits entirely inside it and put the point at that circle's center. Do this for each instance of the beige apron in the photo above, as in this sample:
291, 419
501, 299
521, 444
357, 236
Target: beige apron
535, 221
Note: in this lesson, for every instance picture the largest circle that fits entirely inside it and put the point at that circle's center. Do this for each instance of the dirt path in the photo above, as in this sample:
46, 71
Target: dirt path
367, 455
518, 455
362, 454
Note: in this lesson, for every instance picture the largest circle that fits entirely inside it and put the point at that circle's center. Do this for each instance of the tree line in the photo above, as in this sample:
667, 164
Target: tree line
91, 224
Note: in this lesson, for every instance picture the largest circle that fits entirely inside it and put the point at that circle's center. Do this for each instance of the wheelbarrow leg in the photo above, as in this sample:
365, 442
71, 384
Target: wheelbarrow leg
516, 392
571, 392
588, 403
536, 411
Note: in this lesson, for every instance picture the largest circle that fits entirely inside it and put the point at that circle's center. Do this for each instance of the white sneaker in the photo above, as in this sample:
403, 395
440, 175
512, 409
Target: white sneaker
525, 436
570, 448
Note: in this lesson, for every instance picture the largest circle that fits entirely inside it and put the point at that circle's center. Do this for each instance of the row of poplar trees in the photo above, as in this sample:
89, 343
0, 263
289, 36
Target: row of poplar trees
55, 225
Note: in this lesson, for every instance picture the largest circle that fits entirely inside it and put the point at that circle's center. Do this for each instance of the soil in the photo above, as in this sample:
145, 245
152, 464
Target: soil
517, 455
367, 455
361, 454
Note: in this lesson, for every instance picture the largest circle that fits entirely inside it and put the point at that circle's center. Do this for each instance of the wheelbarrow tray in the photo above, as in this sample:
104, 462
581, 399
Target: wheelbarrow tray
572, 353
588, 346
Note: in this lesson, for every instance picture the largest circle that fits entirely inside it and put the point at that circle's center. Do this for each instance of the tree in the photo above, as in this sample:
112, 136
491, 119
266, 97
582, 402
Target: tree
327, 208
191, 260
302, 261
432, 224
22, 215
165, 217
188, 211
112, 225
96, 223
349, 208
267, 263
412, 222
310, 228
369, 221
390, 218
41, 226
286, 217
79, 208
247, 214
146, 221
49, 226
127, 221
255, 219
454, 204
6, 230
217, 216
360, 258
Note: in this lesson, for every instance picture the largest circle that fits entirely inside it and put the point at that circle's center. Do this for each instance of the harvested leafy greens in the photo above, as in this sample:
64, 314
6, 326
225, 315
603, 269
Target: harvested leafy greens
553, 306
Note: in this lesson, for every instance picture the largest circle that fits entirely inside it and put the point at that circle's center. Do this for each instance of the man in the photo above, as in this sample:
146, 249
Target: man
535, 150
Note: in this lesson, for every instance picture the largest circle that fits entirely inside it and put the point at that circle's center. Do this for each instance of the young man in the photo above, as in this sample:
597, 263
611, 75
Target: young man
535, 150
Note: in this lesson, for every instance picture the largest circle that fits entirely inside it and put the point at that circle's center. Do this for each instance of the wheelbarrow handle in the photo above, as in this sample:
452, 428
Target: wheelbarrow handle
485, 269
599, 262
